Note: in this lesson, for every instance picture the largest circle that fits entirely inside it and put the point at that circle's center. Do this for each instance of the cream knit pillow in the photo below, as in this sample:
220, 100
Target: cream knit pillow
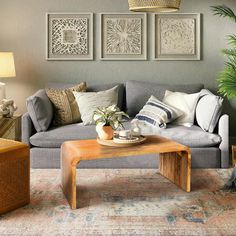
88, 102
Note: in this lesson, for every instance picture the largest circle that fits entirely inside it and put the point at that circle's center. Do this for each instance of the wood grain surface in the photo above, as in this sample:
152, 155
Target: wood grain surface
14, 175
10, 128
175, 160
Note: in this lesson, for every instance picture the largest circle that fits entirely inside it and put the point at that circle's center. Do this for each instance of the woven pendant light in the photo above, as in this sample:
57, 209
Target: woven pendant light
154, 5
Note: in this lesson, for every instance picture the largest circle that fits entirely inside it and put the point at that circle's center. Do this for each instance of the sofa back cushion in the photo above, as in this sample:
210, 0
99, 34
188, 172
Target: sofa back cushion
138, 92
97, 88
40, 110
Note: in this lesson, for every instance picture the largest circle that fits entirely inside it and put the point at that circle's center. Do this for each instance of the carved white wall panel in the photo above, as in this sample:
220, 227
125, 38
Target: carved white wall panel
177, 36
69, 36
123, 36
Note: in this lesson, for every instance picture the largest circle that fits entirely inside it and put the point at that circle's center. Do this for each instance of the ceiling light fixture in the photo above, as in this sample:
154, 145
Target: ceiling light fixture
154, 5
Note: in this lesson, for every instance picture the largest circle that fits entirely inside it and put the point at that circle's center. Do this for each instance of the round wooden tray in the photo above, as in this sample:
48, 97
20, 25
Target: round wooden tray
111, 143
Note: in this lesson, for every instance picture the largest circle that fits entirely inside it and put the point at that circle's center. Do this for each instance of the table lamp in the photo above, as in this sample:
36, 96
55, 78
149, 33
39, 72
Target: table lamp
7, 70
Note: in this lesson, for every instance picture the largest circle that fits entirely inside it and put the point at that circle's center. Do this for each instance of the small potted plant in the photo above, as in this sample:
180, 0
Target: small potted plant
108, 119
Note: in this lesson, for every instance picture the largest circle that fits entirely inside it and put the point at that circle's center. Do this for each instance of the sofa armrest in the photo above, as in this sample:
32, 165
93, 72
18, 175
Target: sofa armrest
223, 131
27, 129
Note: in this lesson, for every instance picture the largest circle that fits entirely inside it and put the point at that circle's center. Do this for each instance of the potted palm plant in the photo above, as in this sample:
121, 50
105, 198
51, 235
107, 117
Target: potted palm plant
227, 78
107, 120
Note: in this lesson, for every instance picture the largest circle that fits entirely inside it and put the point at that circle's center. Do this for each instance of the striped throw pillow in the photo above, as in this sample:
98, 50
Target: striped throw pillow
157, 113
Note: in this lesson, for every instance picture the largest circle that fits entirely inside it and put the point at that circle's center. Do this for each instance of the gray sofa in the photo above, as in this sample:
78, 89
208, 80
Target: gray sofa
209, 150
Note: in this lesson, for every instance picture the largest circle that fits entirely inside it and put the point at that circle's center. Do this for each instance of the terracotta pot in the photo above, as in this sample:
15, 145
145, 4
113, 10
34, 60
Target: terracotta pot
105, 132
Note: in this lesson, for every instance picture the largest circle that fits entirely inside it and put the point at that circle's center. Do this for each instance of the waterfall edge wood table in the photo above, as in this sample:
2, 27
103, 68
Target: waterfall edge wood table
174, 160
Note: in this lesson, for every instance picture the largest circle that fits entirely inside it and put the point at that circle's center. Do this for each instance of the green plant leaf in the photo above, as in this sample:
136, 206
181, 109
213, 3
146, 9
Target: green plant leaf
110, 115
224, 11
229, 52
230, 64
227, 78
232, 40
227, 82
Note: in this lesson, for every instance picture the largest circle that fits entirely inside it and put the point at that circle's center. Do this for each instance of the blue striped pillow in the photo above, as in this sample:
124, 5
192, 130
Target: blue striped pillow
157, 113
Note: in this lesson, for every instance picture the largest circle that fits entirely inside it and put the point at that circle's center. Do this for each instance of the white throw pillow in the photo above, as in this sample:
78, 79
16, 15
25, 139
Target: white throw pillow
185, 103
157, 113
88, 102
208, 110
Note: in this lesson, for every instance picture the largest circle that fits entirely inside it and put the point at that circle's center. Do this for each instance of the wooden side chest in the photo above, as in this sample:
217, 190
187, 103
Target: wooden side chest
14, 175
10, 128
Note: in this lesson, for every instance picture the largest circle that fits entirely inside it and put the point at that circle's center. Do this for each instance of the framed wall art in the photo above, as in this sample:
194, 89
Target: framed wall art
123, 36
69, 36
177, 36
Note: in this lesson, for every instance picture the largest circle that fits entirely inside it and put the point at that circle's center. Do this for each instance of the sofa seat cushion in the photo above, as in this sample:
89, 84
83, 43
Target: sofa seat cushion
192, 137
54, 137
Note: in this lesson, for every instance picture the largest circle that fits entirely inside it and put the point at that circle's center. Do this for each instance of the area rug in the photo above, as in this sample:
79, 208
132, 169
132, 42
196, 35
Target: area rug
125, 202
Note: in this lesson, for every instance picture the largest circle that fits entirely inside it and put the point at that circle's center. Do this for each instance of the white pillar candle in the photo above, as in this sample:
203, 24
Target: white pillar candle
2, 91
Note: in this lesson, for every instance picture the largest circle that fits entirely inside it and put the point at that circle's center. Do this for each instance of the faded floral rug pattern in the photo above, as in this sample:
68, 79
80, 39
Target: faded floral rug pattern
125, 202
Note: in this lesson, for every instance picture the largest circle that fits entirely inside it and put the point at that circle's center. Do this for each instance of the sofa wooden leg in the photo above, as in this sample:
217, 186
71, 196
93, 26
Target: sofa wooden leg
176, 166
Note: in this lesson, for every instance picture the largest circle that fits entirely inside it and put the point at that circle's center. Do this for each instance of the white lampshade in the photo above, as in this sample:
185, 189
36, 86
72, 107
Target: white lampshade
7, 65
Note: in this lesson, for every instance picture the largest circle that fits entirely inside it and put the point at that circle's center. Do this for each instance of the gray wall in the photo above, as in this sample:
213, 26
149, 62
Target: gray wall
22, 30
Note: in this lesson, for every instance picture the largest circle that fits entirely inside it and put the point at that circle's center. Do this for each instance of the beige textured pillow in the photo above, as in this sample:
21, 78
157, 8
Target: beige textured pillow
66, 110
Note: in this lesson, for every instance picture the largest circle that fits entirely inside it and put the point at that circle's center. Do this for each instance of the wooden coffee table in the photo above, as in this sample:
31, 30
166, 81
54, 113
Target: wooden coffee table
174, 162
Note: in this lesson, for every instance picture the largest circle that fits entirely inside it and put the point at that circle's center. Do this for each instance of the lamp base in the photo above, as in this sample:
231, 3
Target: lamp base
2, 91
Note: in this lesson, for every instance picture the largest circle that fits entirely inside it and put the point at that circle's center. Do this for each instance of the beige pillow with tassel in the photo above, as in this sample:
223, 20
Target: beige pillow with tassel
66, 110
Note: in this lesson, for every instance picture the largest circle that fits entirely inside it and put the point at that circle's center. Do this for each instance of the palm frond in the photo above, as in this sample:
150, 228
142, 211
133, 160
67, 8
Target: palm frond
232, 60
229, 52
224, 11
230, 64
232, 40
227, 78
227, 82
